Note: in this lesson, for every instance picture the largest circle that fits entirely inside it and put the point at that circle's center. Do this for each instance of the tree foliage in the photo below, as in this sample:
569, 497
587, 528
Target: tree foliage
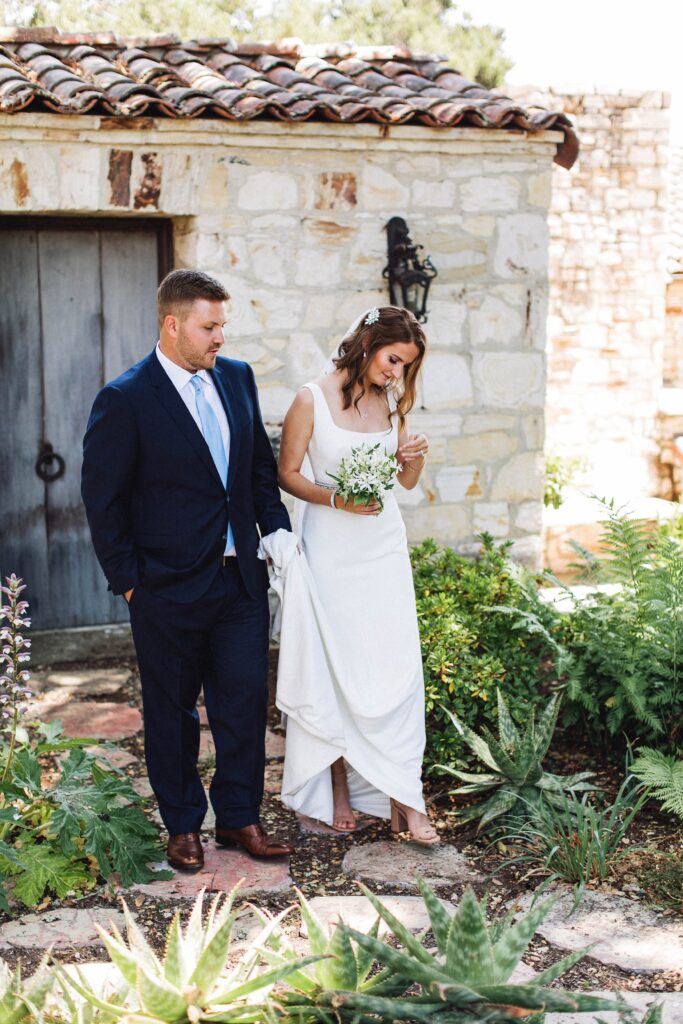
433, 26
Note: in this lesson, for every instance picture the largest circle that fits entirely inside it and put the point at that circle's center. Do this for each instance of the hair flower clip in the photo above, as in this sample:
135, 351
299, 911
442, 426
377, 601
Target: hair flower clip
372, 317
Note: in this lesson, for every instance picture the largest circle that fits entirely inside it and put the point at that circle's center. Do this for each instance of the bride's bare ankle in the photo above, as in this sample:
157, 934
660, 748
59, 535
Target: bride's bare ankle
338, 770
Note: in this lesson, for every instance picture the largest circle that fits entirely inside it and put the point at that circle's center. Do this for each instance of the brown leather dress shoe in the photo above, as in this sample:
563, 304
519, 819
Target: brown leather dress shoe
254, 840
185, 852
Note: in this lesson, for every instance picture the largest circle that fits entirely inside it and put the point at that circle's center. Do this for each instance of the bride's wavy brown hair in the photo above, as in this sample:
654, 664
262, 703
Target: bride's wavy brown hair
393, 326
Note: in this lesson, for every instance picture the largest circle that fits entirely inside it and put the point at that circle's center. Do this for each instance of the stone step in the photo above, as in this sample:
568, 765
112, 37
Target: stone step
100, 682
359, 913
91, 719
222, 870
396, 863
117, 757
58, 929
628, 934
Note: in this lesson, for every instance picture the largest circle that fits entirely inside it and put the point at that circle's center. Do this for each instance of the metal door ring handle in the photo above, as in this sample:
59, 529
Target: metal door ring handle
45, 460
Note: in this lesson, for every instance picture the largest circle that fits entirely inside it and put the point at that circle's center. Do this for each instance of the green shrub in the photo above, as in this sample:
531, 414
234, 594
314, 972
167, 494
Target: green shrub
469, 651
625, 649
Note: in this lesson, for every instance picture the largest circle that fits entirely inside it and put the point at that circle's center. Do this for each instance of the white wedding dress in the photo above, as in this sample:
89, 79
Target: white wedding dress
361, 696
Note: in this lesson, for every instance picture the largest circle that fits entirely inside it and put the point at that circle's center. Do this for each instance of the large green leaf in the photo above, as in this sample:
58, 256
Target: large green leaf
406, 966
474, 742
26, 771
340, 971
507, 730
365, 960
469, 959
439, 917
158, 996
317, 935
46, 868
508, 950
399, 930
507, 765
214, 957
545, 726
176, 966
500, 803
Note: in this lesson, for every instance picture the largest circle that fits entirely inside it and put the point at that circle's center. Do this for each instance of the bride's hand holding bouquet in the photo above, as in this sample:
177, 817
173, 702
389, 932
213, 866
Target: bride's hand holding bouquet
363, 479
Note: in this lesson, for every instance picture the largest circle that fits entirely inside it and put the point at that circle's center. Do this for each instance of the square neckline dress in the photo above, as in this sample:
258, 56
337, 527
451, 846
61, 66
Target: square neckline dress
363, 698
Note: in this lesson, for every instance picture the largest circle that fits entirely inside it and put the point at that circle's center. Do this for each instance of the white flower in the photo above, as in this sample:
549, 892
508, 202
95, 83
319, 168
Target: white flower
366, 474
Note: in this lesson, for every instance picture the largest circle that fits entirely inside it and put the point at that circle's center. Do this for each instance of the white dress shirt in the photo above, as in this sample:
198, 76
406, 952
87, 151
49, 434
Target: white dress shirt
180, 378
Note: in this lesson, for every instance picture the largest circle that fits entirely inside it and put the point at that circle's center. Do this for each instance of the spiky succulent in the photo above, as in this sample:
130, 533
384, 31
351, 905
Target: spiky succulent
515, 760
193, 982
342, 967
468, 976
23, 1000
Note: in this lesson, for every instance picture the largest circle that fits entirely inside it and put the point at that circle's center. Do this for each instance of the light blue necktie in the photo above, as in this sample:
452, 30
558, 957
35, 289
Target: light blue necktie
214, 439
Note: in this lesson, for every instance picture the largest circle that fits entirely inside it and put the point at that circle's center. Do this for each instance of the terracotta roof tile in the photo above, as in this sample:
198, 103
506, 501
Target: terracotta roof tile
43, 69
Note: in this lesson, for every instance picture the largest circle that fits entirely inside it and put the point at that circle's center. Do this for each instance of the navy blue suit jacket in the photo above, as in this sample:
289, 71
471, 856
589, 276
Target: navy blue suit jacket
157, 509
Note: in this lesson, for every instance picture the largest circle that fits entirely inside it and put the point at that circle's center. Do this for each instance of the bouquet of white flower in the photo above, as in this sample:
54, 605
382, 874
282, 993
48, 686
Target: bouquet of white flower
366, 475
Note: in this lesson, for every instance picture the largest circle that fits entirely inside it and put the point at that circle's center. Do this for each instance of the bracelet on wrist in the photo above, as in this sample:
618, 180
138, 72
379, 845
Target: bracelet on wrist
333, 495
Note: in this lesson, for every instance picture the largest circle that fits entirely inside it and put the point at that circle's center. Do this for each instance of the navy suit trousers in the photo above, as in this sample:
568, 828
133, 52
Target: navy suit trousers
218, 643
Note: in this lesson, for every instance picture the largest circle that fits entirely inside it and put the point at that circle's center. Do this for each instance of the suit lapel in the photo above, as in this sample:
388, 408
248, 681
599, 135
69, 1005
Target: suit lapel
226, 392
176, 408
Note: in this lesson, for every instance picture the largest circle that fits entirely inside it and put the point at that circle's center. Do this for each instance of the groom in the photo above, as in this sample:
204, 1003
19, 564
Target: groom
178, 474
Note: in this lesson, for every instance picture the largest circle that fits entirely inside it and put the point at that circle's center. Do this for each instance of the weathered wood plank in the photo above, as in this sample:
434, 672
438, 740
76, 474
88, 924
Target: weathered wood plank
23, 535
70, 284
130, 268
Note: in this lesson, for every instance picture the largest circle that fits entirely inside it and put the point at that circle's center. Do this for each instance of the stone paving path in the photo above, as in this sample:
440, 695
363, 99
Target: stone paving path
629, 935
390, 863
59, 929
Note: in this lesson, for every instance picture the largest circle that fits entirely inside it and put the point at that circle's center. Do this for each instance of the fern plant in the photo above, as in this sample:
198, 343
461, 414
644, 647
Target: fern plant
663, 775
624, 660
515, 762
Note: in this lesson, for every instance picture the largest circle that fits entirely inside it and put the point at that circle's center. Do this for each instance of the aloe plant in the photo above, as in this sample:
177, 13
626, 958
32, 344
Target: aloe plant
22, 1001
468, 976
342, 967
192, 982
515, 760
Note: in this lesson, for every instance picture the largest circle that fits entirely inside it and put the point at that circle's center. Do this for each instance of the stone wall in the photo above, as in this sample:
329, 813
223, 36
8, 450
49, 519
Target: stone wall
608, 276
609, 245
292, 219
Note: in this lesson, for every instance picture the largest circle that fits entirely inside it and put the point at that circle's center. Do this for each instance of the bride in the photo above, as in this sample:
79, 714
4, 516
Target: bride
360, 568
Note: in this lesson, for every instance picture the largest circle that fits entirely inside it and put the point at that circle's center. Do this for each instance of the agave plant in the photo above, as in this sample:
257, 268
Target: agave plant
193, 981
516, 775
468, 976
22, 1001
312, 992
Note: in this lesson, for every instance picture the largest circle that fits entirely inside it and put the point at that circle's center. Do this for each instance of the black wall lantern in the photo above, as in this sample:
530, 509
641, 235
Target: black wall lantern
409, 276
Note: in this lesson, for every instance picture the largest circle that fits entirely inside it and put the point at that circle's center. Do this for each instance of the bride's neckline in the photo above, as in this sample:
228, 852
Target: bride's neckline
347, 430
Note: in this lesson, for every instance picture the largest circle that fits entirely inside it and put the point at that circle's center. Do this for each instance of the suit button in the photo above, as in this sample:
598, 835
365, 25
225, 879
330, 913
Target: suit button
224, 536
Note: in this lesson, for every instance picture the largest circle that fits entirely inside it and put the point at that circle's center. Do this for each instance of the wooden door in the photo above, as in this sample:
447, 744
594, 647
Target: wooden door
77, 307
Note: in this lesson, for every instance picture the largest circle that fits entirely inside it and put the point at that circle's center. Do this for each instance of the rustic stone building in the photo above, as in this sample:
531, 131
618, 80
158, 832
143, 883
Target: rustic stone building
277, 171
610, 273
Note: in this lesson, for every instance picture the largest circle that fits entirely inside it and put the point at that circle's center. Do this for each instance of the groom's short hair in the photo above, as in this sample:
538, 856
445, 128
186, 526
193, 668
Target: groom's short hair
181, 288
